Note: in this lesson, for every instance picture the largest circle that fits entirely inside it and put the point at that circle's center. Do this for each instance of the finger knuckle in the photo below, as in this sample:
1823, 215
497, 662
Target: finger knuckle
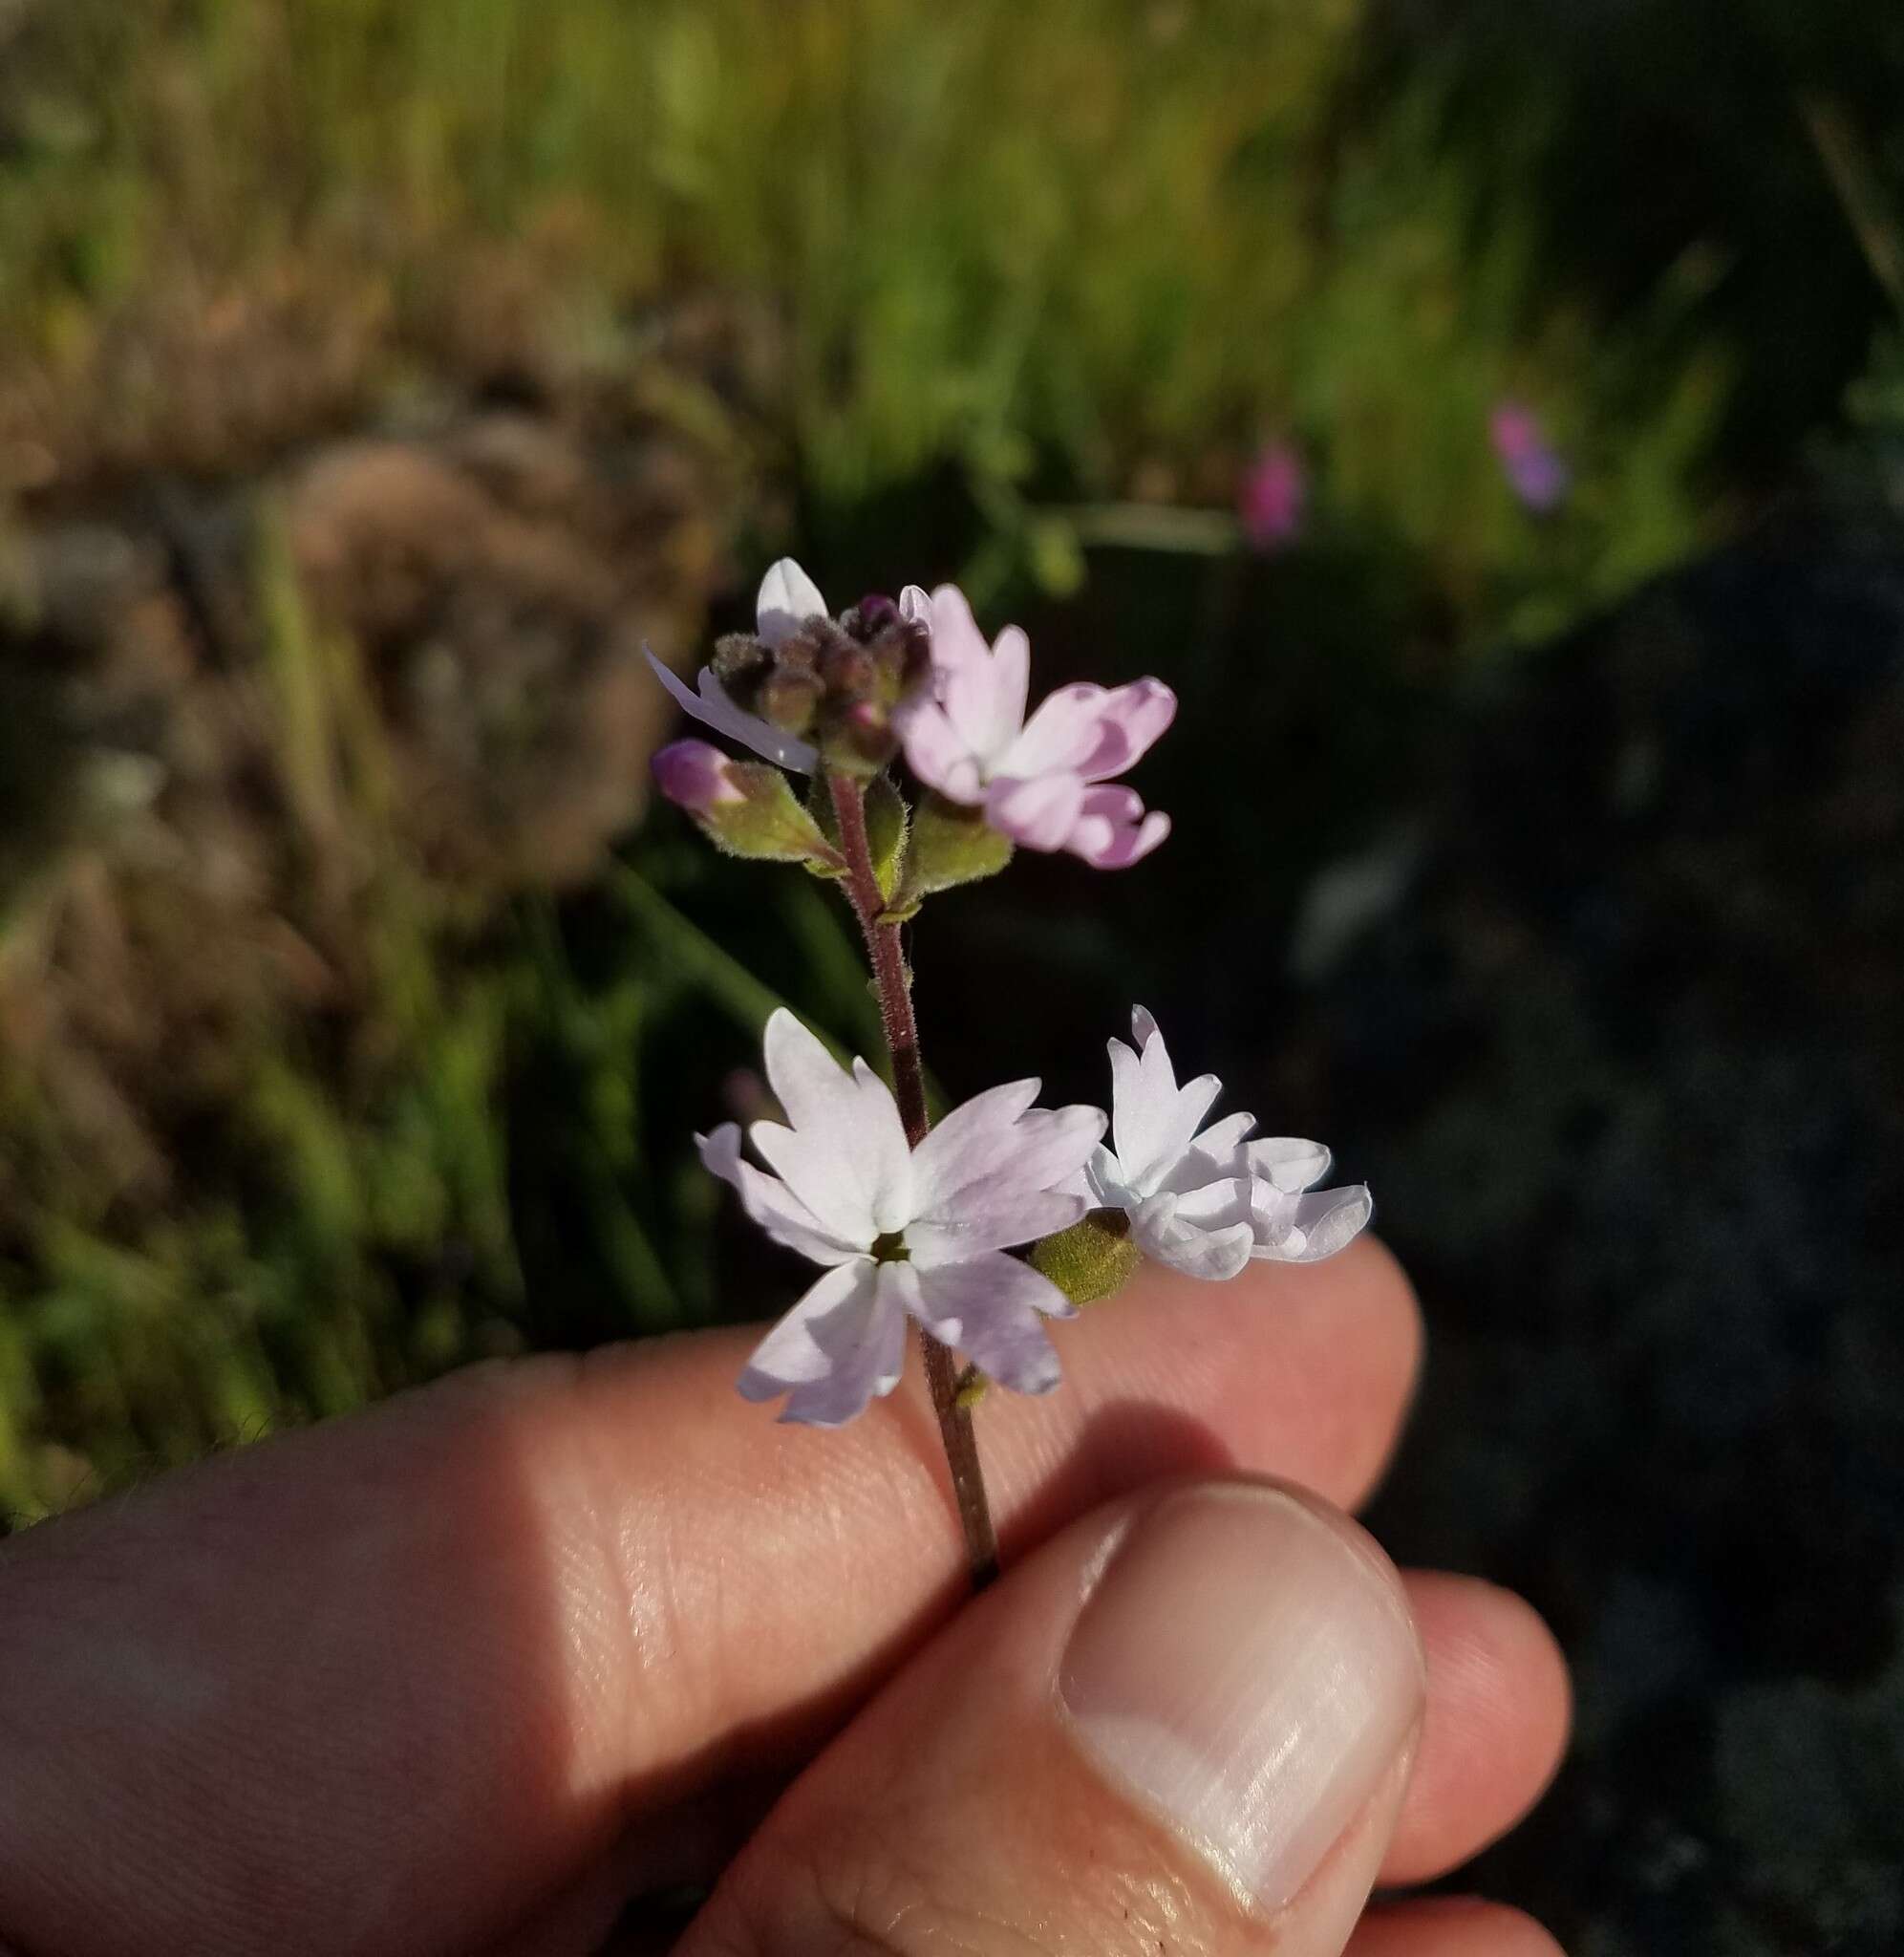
858, 1894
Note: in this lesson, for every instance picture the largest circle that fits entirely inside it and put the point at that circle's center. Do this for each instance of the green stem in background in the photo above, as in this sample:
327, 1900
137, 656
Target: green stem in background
1854, 183
690, 949
909, 1081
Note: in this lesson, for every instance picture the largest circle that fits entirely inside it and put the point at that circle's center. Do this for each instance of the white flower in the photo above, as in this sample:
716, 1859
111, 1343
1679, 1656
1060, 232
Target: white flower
787, 599
902, 1230
1206, 1200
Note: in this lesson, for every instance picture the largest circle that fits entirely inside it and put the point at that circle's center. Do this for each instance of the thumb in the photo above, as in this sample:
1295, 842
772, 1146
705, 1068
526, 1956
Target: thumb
1185, 1723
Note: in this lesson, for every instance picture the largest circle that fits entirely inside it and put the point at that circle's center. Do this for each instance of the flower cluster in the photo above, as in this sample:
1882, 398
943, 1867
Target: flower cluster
923, 1232
808, 692
1005, 1215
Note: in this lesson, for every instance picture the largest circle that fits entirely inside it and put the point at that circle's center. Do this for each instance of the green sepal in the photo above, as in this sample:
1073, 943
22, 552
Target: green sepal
765, 823
887, 823
951, 844
1090, 1260
1095, 1257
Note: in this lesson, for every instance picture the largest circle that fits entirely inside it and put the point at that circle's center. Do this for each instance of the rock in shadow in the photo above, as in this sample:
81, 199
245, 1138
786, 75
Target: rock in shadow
1625, 1062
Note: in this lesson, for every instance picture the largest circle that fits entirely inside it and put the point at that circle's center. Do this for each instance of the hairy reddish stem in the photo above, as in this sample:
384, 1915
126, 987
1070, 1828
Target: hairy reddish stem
894, 988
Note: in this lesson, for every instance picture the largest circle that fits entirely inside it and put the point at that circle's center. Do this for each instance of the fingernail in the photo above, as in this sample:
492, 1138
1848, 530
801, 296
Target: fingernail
1251, 1674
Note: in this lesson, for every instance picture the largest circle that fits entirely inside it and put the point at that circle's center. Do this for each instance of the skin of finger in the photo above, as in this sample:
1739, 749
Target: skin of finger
961, 1811
1498, 1712
401, 1677
1449, 1927
1493, 1727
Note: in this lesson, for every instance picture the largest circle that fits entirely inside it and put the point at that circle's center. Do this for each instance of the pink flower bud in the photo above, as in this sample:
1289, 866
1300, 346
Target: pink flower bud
695, 776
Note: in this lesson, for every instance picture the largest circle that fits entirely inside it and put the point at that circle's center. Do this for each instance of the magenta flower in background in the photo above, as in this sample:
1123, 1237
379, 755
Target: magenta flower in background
1044, 781
1272, 497
903, 1232
1536, 471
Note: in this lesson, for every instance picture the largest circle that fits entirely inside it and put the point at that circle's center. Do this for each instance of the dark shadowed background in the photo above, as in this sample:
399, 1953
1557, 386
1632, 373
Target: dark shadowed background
1488, 417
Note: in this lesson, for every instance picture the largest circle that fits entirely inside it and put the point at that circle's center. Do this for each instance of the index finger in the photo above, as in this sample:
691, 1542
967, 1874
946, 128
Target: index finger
388, 1683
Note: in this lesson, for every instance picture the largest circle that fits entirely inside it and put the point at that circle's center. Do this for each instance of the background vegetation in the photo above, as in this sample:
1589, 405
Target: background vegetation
1003, 292
375, 376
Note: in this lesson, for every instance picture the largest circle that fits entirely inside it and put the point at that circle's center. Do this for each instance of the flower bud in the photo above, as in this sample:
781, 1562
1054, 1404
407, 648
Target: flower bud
739, 656
850, 671
744, 806
800, 654
864, 739
695, 776
789, 700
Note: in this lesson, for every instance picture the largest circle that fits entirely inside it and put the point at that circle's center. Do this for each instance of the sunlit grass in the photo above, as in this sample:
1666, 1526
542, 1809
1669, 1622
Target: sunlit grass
1079, 256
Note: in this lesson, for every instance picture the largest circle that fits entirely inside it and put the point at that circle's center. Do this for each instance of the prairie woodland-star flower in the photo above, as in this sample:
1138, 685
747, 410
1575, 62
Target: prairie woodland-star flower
903, 1232
787, 599
1043, 782
1206, 1200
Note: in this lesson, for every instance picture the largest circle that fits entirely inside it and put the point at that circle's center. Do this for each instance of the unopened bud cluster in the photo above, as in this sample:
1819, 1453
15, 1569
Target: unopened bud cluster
834, 682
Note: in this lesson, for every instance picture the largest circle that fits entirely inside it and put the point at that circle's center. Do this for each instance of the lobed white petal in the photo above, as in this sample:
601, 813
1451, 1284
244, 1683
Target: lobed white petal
787, 599
712, 707
1288, 1164
935, 752
1305, 1228
997, 1141
844, 1155
772, 1204
843, 1345
997, 1225
990, 1308
1212, 1241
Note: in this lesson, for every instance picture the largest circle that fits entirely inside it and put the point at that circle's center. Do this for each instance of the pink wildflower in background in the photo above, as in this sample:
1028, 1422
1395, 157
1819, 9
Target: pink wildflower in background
1536, 471
1272, 497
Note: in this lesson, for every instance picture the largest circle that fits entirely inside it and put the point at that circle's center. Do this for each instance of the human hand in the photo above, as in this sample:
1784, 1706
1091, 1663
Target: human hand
466, 1673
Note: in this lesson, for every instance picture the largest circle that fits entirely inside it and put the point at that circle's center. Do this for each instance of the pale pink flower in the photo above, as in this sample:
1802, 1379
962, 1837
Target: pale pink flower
1043, 782
787, 599
918, 1233
1206, 1200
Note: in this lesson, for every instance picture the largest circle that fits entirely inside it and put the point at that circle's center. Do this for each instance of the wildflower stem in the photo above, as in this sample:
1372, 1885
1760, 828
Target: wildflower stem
893, 984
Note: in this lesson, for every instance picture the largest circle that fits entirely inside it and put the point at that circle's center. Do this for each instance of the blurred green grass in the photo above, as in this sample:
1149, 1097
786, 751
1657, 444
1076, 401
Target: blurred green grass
1001, 279
1084, 248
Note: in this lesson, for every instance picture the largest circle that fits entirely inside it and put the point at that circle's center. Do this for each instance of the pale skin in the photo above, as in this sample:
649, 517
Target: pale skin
464, 1673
